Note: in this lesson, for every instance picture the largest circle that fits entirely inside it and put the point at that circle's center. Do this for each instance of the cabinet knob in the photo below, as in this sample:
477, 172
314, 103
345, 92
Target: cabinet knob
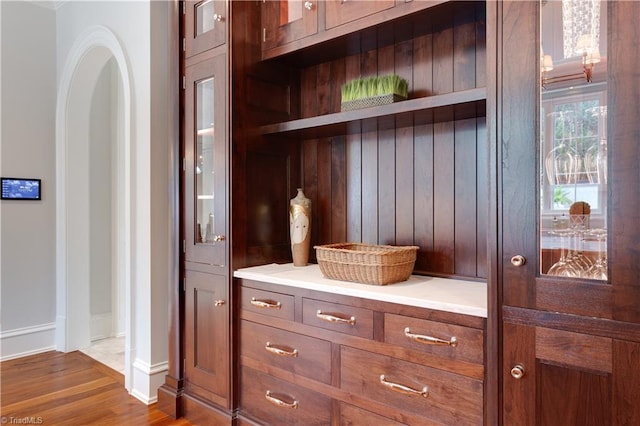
218, 238
308, 5
517, 371
518, 260
219, 303
217, 17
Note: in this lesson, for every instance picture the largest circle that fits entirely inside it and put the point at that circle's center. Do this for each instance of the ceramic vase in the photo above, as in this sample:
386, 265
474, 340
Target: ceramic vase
300, 228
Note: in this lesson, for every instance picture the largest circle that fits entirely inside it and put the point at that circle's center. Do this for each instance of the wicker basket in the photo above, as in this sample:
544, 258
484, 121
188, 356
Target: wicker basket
370, 102
366, 263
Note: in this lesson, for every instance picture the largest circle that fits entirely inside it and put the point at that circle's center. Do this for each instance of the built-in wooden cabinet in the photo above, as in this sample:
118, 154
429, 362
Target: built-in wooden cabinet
570, 347
205, 159
205, 25
286, 21
409, 173
206, 336
199, 383
454, 169
340, 12
320, 357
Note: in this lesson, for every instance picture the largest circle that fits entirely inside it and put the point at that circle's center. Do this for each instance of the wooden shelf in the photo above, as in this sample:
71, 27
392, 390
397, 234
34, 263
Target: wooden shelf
437, 108
402, 22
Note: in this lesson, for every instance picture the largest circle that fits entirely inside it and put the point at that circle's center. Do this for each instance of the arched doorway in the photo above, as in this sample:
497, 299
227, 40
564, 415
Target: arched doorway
93, 175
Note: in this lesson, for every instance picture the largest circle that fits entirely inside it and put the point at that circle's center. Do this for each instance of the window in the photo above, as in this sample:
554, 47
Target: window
574, 152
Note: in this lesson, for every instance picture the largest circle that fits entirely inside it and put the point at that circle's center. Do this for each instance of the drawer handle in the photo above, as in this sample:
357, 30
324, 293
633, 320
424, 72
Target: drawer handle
397, 387
269, 304
333, 318
280, 403
428, 340
279, 351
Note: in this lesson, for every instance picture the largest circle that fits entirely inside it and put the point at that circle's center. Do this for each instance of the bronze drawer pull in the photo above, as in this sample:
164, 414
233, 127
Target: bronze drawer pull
404, 389
334, 318
269, 304
428, 340
280, 403
279, 351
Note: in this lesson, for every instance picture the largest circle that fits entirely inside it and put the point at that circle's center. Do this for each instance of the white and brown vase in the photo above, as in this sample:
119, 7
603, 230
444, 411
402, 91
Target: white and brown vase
300, 228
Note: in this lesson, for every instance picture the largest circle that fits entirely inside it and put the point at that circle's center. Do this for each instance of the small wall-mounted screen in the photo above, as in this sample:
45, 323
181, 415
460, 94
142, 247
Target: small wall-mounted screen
21, 189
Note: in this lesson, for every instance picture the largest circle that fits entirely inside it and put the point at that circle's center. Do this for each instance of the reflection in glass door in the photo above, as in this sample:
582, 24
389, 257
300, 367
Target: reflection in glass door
204, 170
573, 139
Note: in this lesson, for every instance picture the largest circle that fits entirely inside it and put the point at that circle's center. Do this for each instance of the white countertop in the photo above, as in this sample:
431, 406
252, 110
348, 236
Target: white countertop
444, 294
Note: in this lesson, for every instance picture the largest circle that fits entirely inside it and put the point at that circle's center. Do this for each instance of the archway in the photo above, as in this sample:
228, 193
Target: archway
95, 50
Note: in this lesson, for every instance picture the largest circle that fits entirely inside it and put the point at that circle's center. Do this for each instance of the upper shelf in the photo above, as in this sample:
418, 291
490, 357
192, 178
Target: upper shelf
405, 21
424, 110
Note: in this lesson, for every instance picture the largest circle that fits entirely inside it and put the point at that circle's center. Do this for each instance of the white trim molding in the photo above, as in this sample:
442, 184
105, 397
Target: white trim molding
93, 48
27, 341
147, 379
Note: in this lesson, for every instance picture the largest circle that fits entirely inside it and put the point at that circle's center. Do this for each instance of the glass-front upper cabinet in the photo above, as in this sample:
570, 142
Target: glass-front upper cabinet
205, 163
573, 139
205, 25
284, 21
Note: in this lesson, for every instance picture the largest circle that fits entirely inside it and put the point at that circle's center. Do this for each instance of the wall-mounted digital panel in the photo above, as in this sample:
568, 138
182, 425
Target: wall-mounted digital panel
21, 189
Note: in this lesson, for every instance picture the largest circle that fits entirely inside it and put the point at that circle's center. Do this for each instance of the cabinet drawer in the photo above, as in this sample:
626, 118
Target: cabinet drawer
278, 402
302, 355
444, 397
268, 303
353, 416
446, 340
336, 317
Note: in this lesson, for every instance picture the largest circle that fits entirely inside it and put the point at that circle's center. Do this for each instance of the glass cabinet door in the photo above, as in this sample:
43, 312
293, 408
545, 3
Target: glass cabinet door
204, 25
205, 163
284, 21
573, 139
569, 228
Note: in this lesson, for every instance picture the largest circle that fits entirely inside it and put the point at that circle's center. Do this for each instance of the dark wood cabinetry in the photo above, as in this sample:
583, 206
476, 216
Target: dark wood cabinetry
337, 359
199, 382
570, 346
285, 21
205, 158
340, 12
205, 25
454, 170
411, 173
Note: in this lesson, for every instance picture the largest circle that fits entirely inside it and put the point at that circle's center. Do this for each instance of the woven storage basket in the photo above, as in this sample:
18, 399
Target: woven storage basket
366, 263
370, 102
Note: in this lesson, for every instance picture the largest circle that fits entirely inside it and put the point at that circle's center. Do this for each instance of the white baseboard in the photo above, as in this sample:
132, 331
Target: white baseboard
147, 379
101, 326
27, 341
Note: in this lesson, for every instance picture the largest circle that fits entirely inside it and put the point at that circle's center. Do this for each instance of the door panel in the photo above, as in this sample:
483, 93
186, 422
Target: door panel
205, 164
285, 21
205, 25
568, 342
206, 332
550, 379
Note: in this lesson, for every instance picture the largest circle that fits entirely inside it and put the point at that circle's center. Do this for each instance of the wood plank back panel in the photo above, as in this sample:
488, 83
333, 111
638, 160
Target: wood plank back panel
413, 183
386, 181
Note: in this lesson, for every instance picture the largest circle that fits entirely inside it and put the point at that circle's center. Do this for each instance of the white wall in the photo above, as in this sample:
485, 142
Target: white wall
28, 150
36, 45
102, 140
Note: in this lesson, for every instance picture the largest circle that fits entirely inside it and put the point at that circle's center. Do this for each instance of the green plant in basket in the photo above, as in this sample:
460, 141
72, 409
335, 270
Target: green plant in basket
369, 87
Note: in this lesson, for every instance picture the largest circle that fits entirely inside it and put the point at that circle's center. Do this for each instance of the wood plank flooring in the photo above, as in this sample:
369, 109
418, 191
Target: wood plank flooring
71, 389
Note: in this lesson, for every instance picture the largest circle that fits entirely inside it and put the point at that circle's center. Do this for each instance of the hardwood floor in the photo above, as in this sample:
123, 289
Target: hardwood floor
71, 389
